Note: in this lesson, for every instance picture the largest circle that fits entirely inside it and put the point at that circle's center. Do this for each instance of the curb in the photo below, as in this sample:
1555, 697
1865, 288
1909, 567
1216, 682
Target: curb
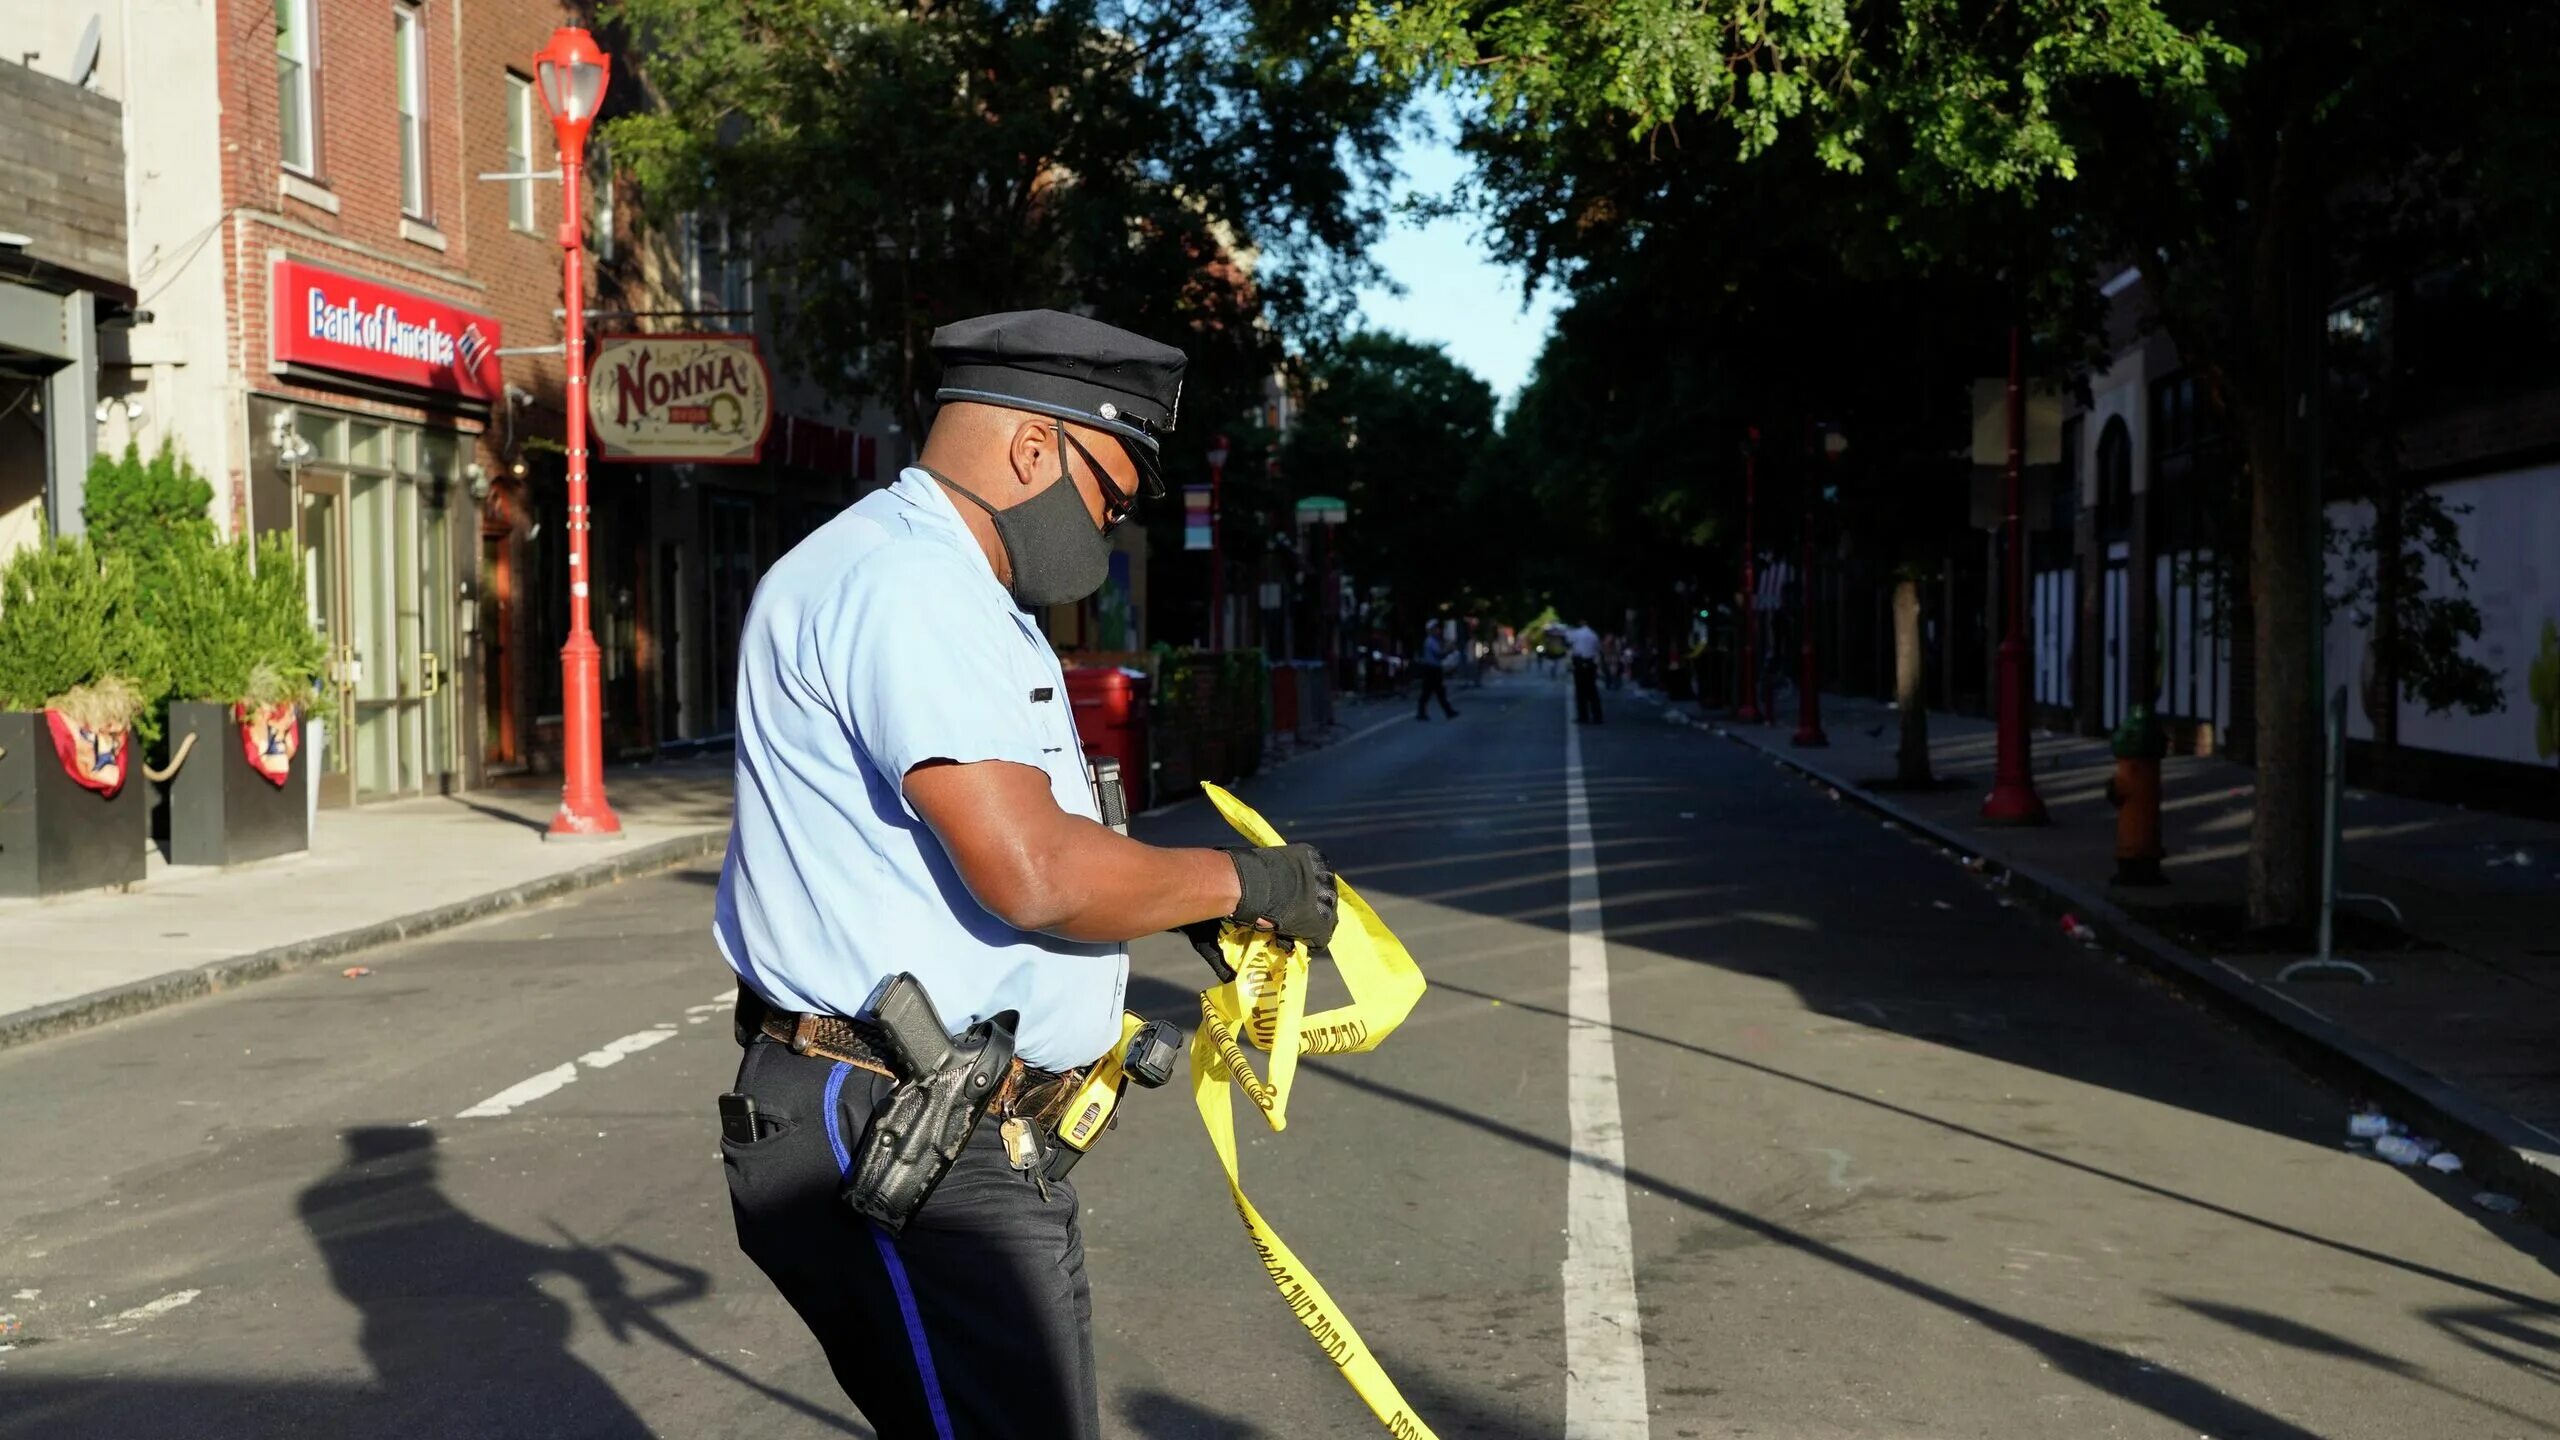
2497, 1149
139, 996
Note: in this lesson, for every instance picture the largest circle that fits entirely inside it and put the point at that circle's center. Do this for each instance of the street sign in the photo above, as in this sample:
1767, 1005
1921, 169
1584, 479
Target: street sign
1195, 517
1323, 510
1991, 423
702, 399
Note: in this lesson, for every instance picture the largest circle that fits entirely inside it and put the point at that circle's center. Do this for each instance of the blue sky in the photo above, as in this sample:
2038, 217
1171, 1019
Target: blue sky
1454, 293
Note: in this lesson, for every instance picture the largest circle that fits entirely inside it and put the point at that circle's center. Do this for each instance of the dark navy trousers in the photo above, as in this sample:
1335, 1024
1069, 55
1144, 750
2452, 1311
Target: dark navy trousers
974, 1323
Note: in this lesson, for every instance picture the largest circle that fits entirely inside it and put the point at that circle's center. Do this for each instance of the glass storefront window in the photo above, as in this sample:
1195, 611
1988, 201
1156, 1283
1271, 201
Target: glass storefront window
366, 445
325, 433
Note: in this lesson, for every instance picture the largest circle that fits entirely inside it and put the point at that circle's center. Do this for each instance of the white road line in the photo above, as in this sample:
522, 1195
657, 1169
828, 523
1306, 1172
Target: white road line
612, 1051
523, 1092
152, 1311
1604, 1393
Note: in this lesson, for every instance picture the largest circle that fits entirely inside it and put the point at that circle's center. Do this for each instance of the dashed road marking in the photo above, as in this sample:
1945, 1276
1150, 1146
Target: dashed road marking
523, 1092
152, 1311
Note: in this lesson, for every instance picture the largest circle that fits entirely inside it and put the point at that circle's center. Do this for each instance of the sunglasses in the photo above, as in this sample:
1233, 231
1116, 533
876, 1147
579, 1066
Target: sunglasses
1116, 502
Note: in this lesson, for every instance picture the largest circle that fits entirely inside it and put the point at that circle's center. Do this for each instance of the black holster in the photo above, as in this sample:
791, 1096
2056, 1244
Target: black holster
943, 1089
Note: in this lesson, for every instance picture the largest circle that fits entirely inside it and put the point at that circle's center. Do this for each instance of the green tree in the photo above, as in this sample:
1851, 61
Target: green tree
1969, 97
2353, 147
1399, 431
2216, 144
1195, 172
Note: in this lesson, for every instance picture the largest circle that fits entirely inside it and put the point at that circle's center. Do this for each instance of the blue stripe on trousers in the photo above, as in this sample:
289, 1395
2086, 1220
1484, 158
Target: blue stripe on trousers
889, 1259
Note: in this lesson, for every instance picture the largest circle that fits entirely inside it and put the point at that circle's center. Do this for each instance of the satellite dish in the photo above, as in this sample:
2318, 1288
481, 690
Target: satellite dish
84, 57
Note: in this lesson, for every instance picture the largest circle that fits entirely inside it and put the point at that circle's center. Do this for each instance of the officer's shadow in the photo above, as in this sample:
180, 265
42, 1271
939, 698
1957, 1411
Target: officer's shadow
462, 1338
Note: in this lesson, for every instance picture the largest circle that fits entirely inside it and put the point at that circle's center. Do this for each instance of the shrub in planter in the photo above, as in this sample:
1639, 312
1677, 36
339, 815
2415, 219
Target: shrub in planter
79, 668
152, 512
243, 658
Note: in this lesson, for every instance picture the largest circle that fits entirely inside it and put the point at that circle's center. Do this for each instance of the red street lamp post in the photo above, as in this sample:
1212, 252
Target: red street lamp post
1809, 734
1217, 544
2013, 799
1748, 712
573, 72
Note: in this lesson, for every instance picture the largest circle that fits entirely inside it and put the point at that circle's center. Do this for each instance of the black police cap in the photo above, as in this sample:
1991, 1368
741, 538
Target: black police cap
1074, 368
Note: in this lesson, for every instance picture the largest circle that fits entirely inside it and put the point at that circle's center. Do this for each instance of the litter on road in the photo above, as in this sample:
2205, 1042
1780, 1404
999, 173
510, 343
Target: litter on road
2444, 1162
2497, 1204
2403, 1150
2368, 1124
355, 972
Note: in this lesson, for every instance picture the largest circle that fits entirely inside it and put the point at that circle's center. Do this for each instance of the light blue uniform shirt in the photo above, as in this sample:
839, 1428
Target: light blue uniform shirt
880, 642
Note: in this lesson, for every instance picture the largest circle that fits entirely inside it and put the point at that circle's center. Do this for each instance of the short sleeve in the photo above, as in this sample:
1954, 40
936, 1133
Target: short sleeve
929, 670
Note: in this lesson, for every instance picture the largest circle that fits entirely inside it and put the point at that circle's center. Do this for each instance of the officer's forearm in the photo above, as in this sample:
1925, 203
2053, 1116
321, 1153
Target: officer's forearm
1036, 867
1105, 886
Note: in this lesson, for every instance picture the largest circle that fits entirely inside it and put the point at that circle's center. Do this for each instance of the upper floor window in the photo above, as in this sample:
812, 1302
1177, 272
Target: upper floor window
295, 104
719, 273
520, 132
600, 187
2115, 479
409, 68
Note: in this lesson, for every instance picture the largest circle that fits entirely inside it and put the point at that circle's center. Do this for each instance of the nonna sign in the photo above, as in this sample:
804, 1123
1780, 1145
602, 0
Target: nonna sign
703, 399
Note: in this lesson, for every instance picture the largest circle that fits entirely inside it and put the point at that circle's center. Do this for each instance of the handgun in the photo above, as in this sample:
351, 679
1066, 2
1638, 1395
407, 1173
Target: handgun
910, 1029
943, 1089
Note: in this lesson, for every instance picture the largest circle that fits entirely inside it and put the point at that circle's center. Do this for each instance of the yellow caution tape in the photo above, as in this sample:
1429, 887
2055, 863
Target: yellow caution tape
1265, 1005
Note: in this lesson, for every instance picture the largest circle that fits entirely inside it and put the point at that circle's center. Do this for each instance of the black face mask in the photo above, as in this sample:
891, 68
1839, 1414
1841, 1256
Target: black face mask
1057, 553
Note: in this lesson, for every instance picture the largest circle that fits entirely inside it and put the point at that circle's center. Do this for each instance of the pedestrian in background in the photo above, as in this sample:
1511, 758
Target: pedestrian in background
1583, 644
1431, 676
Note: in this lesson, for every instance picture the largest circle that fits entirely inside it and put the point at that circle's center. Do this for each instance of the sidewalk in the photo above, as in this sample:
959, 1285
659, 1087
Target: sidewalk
375, 874
2469, 993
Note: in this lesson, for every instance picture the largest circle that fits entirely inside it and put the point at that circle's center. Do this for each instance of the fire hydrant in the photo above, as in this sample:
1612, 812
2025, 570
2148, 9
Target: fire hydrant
2139, 742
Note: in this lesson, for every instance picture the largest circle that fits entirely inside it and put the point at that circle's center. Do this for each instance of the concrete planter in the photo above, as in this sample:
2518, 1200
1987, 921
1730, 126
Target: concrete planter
57, 835
221, 810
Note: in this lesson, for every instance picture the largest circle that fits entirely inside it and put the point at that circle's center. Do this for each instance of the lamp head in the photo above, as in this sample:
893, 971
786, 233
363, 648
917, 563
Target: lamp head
573, 71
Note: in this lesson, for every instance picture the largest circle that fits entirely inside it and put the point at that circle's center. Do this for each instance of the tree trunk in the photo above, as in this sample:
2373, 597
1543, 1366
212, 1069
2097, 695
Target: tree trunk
1911, 761
2286, 316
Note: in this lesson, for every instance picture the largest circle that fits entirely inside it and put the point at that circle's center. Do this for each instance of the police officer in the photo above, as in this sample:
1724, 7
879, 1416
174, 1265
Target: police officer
911, 797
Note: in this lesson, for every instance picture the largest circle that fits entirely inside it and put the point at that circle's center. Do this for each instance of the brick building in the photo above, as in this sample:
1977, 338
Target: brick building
355, 338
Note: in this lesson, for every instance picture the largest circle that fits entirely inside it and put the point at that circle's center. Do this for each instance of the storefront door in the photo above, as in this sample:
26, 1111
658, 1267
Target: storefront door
323, 536
377, 542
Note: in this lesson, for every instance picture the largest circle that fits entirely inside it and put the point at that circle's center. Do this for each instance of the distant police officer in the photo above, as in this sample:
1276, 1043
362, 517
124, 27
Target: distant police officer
911, 798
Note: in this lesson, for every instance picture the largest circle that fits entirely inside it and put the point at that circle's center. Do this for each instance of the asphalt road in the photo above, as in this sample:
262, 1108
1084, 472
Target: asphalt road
1899, 1162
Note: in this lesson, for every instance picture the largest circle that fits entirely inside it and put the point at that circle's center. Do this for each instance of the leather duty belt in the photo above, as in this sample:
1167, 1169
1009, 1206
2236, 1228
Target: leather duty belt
1036, 1095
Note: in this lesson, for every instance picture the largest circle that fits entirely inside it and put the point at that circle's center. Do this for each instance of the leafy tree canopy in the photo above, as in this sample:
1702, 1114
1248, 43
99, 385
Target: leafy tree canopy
1206, 174
1971, 89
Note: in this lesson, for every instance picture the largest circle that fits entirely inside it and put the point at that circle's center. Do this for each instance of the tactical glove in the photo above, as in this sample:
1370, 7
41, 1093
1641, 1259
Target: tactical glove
1285, 890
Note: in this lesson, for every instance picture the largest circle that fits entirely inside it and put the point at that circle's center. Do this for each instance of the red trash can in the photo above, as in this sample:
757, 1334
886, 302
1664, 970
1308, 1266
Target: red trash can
1284, 700
1110, 704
